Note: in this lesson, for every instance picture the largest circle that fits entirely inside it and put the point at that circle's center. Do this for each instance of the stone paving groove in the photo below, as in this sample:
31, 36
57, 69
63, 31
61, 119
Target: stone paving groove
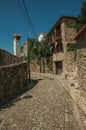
47, 106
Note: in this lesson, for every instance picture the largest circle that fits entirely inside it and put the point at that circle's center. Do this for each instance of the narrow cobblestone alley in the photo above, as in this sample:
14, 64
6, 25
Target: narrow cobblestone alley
46, 106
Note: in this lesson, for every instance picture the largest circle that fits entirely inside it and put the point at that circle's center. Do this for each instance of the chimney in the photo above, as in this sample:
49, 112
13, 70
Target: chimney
17, 48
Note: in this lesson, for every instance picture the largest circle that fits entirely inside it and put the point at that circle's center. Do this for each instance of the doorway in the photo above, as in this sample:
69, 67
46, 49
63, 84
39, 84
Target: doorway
58, 67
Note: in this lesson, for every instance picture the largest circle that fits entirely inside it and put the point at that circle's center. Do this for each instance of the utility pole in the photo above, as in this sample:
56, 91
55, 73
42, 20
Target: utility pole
43, 64
29, 60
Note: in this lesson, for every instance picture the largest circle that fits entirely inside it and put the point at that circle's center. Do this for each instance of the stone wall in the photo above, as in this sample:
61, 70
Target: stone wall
58, 56
7, 58
68, 30
13, 79
69, 64
81, 63
13, 75
68, 33
25, 49
35, 65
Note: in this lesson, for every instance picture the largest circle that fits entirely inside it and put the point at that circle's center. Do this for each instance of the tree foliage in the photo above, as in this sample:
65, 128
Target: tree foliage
38, 49
32, 49
81, 20
43, 48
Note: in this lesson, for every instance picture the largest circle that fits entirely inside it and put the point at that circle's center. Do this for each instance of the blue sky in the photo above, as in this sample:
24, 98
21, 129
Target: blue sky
43, 13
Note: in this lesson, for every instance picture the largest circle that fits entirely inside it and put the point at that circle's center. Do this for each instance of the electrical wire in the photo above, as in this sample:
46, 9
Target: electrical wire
19, 8
22, 8
28, 15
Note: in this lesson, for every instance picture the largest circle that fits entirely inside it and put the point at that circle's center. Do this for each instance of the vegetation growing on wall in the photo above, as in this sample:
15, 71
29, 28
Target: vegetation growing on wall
71, 47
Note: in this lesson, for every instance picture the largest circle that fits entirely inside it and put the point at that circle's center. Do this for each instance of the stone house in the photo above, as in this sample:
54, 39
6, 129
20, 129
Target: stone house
61, 34
81, 59
41, 36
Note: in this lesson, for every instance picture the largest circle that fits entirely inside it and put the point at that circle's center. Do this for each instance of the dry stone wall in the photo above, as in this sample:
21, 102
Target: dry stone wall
13, 75
68, 30
81, 63
6, 58
13, 79
69, 63
37, 66
68, 33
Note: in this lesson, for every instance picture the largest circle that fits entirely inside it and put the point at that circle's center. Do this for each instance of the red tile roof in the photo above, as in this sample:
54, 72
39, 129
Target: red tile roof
43, 33
17, 35
80, 33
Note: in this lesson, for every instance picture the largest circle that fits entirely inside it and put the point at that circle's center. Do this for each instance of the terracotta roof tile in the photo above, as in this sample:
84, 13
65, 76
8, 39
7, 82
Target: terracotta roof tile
17, 35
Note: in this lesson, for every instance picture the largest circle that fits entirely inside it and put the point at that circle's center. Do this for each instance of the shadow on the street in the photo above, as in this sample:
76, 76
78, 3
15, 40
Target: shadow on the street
32, 84
18, 97
40, 79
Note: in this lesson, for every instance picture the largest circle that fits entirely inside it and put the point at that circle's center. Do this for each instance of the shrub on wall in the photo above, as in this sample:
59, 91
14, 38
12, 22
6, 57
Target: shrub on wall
71, 47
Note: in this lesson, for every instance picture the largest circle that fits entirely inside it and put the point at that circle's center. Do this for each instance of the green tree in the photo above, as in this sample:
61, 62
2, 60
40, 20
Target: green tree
81, 20
32, 48
44, 48
43, 52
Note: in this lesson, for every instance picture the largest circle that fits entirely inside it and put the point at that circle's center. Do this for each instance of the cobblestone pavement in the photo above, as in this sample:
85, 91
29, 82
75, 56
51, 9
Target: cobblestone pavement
46, 106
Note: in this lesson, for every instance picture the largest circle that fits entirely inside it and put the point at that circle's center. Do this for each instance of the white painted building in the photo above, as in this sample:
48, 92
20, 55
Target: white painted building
17, 47
41, 36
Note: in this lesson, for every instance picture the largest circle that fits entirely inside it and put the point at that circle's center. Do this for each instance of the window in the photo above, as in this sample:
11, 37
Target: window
59, 47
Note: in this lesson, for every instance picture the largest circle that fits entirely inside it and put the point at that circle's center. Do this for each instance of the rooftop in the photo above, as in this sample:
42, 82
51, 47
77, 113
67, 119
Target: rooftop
63, 17
42, 33
17, 35
80, 33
